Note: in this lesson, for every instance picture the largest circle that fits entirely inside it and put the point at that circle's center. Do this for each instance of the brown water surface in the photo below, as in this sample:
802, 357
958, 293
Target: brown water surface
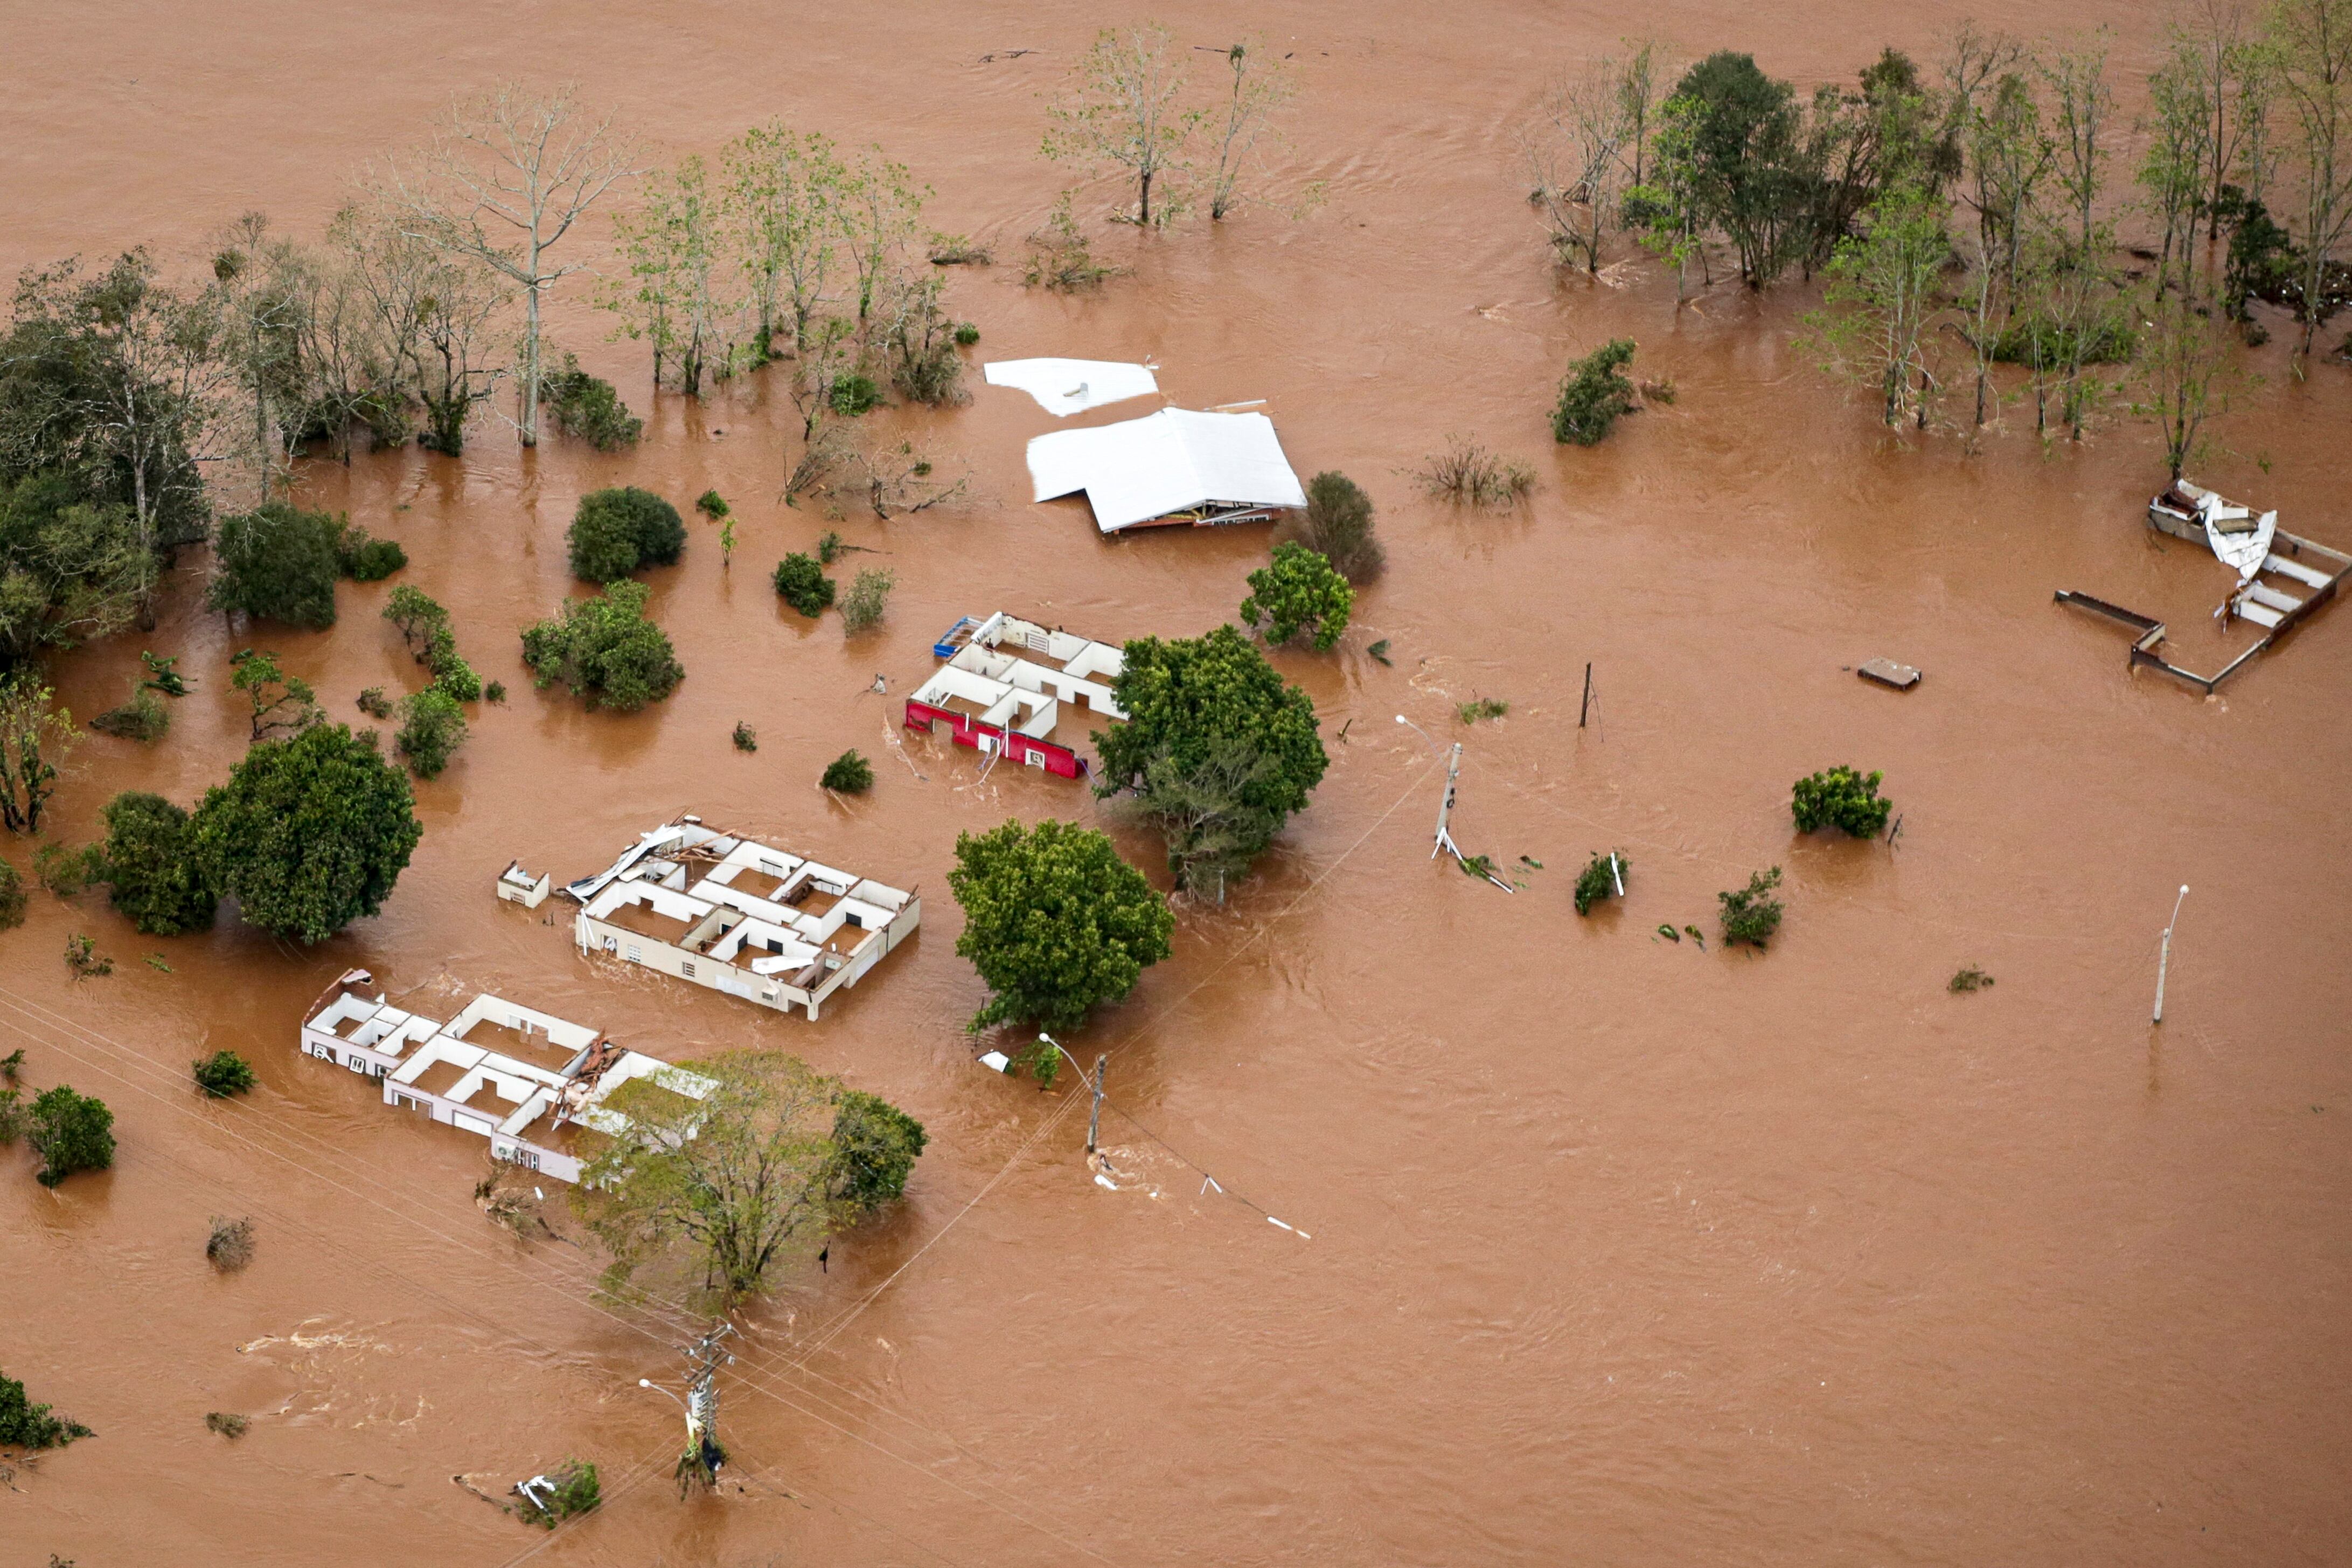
1614, 1249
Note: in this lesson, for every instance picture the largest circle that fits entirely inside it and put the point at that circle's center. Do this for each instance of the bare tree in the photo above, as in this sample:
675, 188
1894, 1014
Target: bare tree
1120, 107
432, 312
1576, 146
504, 180
2313, 40
1260, 86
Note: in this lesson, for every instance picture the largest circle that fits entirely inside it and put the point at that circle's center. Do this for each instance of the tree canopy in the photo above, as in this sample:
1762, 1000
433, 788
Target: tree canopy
279, 563
150, 863
310, 833
1299, 593
1210, 711
1053, 921
71, 568
617, 530
604, 648
732, 1183
71, 1132
875, 1147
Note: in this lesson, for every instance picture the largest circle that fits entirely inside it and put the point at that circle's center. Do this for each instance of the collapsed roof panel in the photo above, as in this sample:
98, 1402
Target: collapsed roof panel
1175, 466
1065, 387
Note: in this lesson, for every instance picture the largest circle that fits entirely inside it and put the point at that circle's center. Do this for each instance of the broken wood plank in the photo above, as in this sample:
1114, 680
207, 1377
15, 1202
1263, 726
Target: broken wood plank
1887, 673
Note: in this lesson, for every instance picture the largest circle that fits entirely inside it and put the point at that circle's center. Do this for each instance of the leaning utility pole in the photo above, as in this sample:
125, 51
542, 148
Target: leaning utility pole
2164, 955
699, 1461
1445, 806
1094, 1118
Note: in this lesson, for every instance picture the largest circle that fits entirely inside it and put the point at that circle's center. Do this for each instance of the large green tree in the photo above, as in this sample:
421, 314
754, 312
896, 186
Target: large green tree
150, 863
614, 531
1743, 148
70, 1132
310, 833
279, 563
604, 648
1053, 921
725, 1172
875, 1147
1210, 711
71, 569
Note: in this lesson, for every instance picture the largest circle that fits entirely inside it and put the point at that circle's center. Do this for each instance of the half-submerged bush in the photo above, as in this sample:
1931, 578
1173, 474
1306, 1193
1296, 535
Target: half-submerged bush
12, 897
25, 1425
1470, 474
870, 595
149, 860
1593, 394
604, 648
587, 406
143, 718
71, 1132
363, 558
1840, 798
222, 1074
1750, 913
1600, 879
849, 773
425, 628
617, 530
278, 563
804, 585
230, 1245
432, 730
1338, 526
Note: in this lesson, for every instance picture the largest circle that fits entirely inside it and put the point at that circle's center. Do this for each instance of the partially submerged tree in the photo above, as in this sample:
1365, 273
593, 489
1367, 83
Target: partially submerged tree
802, 583
29, 1426
1338, 525
785, 192
36, 737
2185, 375
71, 1132
2311, 42
278, 563
1736, 157
1750, 913
604, 648
862, 608
679, 291
431, 728
616, 531
1298, 593
1191, 702
150, 861
1883, 301
222, 1074
1579, 148
308, 834
281, 704
730, 1182
875, 1147
1120, 107
1259, 86
72, 568
1055, 922
506, 177
1594, 395
1841, 799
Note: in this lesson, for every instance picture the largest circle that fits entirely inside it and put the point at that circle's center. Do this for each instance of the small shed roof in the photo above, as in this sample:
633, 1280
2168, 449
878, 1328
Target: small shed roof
1167, 462
1065, 387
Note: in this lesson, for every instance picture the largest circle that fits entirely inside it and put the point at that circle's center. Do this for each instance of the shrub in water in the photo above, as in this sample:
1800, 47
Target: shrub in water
711, 504
804, 584
71, 1132
567, 1490
1338, 525
966, 334
277, 563
365, 560
1599, 880
855, 394
875, 1146
230, 1246
746, 737
1594, 393
25, 1425
225, 1423
143, 717
617, 530
222, 1074
150, 863
1298, 593
432, 730
605, 647
849, 773
12, 902
1840, 798
1750, 913
587, 406
868, 596
374, 704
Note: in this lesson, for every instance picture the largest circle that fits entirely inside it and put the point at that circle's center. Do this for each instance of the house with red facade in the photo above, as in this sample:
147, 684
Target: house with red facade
1025, 692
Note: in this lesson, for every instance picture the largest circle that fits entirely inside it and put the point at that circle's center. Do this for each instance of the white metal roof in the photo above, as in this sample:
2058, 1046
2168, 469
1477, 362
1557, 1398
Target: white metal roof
1065, 387
1167, 462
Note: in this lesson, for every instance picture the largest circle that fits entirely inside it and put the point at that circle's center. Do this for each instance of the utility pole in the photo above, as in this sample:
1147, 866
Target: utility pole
1094, 1118
1585, 711
1446, 806
2164, 954
698, 1463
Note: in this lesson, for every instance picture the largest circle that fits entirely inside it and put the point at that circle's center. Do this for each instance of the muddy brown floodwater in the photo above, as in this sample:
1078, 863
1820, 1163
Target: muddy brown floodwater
1616, 1251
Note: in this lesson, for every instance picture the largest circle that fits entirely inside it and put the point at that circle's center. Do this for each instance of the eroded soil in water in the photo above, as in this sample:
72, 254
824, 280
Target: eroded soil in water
1621, 1250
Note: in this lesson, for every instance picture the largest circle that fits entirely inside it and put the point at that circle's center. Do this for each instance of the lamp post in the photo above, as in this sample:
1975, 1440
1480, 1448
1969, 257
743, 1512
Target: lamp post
1444, 807
1093, 1117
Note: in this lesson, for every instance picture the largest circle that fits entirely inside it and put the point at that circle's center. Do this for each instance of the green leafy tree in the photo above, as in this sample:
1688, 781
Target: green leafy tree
36, 737
1884, 300
1839, 798
308, 833
71, 568
431, 728
1600, 879
1121, 108
616, 531
605, 648
875, 1147
12, 897
281, 704
587, 406
1594, 395
862, 608
804, 585
729, 1182
222, 1074
25, 1425
1211, 704
365, 558
71, 1132
1299, 592
1053, 921
278, 563
849, 773
1739, 161
1338, 525
425, 627
150, 861
1750, 913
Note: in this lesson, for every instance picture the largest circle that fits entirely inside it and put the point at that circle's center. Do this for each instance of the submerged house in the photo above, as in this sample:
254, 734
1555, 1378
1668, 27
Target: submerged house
740, 917
1174, 467
1013, 687
531, 1083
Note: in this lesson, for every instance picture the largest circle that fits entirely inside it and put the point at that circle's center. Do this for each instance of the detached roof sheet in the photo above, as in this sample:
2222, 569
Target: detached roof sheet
1065, 387
1167, 462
